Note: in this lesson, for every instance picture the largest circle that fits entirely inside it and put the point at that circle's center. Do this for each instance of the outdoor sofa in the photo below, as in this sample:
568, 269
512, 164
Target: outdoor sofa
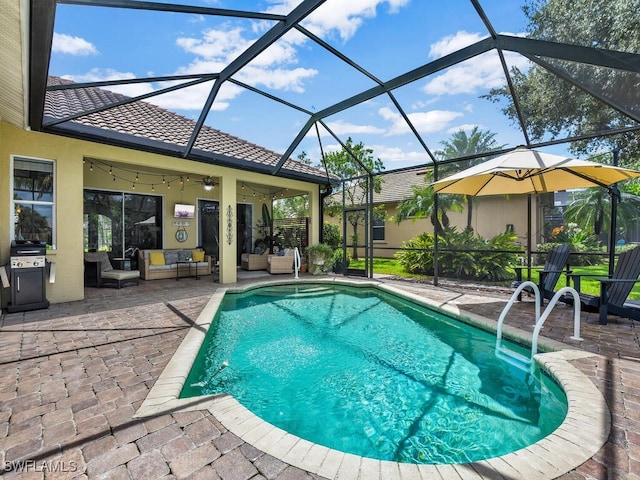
162, 263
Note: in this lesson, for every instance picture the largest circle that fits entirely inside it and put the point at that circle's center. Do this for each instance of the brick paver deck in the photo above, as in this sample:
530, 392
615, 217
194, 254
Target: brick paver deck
74, 375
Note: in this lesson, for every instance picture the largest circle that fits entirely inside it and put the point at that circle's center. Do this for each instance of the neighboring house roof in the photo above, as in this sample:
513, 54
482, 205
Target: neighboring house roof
396, 186
145, 126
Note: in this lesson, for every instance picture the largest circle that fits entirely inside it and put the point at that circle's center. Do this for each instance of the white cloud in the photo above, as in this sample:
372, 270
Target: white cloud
475, 75
339, 16
222, 45
341, 128
398, 155
467, 127
63, 43
451, 43
424, 122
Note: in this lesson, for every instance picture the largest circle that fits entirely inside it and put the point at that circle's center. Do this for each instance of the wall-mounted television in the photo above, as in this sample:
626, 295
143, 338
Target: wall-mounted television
181, 210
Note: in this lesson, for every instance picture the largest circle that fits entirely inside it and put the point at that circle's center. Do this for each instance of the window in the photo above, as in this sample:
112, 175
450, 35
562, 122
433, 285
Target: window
119, 223
378, 228
33, 200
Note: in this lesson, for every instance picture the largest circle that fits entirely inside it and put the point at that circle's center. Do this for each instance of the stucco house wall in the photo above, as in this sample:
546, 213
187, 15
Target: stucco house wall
72, 175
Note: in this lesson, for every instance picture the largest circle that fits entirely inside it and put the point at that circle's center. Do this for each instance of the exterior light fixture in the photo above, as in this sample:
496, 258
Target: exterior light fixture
208, 183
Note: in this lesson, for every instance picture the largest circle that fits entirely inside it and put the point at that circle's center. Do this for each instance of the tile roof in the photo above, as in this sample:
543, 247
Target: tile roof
396, 186
147, 125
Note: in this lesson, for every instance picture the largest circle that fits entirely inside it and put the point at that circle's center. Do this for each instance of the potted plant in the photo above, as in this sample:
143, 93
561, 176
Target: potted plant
340, 264
320, 258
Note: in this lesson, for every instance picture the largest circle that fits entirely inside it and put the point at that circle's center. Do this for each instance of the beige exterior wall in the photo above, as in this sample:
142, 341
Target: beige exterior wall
491, 215
72, 175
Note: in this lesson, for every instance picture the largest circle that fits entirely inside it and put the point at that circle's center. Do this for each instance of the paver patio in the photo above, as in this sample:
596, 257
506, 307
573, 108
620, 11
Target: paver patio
76, 373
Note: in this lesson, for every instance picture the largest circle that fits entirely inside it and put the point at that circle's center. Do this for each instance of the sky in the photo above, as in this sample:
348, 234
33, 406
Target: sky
385, 37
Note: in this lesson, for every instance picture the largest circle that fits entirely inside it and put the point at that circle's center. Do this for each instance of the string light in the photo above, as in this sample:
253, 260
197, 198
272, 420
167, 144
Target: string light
120, 173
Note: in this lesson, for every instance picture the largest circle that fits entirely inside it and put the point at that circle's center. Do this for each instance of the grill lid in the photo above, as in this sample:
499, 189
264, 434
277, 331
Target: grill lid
28, 248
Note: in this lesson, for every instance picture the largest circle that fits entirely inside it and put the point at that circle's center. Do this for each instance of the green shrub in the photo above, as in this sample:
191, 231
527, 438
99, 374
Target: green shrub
416, 255
461, 255
340, 264
579, 241
331, 235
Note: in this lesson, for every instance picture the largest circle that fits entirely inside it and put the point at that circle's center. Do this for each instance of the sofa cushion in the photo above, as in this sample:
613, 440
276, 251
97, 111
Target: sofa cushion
197, 256
184, 255
162, 267
156, 258
170, 256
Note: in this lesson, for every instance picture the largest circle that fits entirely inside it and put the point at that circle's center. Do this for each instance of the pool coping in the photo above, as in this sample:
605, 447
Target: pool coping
583, 432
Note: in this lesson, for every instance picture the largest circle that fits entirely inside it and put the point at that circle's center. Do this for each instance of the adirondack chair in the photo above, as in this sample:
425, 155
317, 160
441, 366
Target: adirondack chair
615, 290
556, 263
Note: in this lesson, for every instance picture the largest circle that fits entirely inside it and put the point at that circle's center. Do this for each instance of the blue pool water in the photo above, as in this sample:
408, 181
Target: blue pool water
365, 372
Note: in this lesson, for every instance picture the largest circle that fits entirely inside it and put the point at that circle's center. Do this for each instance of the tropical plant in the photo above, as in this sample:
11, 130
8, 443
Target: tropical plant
422, 204
590, 209
416, 255
331, 234
339, 262
320, 258
352, 165
461, 144
461, 255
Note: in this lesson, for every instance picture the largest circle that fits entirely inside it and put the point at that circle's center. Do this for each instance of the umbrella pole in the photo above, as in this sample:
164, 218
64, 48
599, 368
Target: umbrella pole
529, 237
614, 194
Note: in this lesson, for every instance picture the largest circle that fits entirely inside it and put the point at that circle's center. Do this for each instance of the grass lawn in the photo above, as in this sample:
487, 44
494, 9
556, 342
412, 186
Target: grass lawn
589, 285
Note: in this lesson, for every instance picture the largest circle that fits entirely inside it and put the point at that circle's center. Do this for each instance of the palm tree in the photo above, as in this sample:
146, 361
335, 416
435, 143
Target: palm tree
422, 204
460, 145
591, 210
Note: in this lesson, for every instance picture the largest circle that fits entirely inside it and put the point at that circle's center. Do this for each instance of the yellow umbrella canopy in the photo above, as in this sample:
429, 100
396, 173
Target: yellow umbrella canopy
525, 171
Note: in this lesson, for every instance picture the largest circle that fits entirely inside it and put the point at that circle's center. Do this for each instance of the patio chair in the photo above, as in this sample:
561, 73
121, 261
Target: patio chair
613, 290
254, 261
281, 263
98, 272
556, 263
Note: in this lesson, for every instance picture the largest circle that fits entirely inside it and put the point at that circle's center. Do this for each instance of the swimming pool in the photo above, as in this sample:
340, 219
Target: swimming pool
368, 373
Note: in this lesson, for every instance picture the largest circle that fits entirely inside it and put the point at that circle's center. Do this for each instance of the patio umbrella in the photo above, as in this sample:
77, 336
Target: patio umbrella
527, 171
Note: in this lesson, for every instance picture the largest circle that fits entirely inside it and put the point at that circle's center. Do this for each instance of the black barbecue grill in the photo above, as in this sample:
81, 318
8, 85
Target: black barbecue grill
28, 273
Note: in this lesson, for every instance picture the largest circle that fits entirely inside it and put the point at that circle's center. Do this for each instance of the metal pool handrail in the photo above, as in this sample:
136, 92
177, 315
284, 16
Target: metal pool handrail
540, 319
296, 261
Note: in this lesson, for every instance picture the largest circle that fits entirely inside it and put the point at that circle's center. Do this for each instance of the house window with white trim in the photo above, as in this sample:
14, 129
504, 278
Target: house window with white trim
33, 200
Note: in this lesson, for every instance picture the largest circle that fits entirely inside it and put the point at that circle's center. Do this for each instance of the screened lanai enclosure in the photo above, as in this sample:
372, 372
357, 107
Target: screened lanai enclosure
401, 77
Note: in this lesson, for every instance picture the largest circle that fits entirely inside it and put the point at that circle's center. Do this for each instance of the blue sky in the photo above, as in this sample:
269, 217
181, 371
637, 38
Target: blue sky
387, 38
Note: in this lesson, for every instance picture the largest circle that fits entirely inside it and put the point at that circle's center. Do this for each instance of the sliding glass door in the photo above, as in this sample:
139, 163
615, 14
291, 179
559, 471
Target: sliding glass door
120, 223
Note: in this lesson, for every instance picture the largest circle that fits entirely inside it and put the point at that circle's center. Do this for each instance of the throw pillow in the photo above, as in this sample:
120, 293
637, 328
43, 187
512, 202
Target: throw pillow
156, 258
197, 256
184, 255
170, 256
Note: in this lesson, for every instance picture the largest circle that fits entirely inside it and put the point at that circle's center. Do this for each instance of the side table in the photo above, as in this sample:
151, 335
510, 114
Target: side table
186, 262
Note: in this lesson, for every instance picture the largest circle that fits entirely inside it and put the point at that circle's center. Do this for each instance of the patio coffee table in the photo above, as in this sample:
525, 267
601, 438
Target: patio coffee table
187, 262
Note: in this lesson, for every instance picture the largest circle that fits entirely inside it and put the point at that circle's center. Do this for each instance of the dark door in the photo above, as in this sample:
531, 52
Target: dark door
209, 218
244, 229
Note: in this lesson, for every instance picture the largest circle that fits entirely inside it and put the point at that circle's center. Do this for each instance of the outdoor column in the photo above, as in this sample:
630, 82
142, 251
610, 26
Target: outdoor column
228, 230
